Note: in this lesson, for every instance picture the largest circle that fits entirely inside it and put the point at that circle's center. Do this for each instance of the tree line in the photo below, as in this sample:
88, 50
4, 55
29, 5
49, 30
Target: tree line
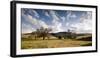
45, 32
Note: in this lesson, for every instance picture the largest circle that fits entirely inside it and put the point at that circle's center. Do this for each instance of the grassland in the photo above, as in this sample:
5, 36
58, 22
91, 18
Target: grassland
53, 43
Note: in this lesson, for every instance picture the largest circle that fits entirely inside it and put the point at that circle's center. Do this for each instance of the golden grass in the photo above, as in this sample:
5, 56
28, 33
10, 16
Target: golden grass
53, 43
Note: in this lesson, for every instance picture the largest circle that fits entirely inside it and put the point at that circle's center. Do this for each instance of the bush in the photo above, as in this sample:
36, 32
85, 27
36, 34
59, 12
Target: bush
87, 44
59, 37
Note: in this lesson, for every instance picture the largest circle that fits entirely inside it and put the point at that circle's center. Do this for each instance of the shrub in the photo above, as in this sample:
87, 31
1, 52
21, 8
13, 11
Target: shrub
87, 44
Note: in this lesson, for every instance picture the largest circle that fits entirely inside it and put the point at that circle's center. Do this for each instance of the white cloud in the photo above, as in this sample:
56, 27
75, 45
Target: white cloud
27, 28
85, 24
43, 24
35, 13
57, 28
38, 23
63, 18
68, 15
89, 15
73, 16
33, 21
67, 24
56, 24
47, 14
54, 15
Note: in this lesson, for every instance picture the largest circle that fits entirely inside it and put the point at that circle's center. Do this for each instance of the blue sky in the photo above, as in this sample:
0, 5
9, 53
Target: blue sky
58, 20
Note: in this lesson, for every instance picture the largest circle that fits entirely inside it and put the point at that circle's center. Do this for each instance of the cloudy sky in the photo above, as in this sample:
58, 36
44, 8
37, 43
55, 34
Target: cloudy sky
58, 20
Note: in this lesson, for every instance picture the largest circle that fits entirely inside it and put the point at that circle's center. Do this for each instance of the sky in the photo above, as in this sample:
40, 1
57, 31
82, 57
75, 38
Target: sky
57, 20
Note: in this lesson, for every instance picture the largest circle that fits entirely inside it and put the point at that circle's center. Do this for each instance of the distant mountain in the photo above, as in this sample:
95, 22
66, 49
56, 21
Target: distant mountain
60, 34
68, 33
82, 34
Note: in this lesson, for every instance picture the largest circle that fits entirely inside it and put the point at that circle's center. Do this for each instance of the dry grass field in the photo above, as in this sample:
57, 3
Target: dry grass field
53, 43
29, 41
